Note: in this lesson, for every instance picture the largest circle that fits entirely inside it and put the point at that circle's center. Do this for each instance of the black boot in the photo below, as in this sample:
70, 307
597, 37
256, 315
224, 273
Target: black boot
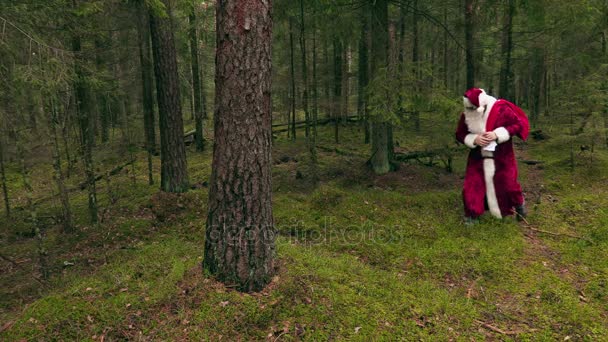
521, 211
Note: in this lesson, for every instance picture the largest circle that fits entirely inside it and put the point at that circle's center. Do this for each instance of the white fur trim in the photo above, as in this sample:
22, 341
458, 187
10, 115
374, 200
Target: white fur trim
502, 134
475, 119
489, 169
469, 140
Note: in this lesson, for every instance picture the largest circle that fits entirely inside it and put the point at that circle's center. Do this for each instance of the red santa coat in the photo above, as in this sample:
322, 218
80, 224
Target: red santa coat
491, 177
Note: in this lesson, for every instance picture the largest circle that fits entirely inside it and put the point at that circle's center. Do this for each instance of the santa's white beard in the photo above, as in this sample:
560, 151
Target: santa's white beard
474, 120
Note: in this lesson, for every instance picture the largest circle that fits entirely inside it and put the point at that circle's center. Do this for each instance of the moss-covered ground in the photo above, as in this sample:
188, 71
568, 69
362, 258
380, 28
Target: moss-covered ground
361, 257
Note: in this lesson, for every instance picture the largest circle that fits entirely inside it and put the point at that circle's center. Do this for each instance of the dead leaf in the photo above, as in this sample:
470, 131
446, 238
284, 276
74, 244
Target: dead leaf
223, 304
357, 330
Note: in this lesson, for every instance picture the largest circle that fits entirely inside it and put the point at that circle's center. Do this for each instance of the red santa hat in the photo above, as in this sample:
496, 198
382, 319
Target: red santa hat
476, 97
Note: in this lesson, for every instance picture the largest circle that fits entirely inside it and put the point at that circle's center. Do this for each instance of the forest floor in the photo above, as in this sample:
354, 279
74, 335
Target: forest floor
361, 257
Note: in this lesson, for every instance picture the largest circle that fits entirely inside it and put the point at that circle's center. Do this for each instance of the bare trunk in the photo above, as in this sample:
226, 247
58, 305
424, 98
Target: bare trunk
506, 77
304, 68
470, 44
83, 109
293, 81
416, 63
196, 83
174, 171
363, 72
336, 103
240, 235
145, 60
66, 209
380, 155
315, 106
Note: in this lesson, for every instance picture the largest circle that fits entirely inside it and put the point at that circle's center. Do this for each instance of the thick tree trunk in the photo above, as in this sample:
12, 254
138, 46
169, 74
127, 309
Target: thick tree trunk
380, 160
174, 171
293, 80
66, 209
145, 60
469, 42
83, 109
196, 83
506, 77
7, 205
363, 72
239, 246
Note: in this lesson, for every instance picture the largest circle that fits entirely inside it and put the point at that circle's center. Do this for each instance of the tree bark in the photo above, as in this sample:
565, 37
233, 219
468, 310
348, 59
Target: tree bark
416, 63
336, 103
379, 160
196, 82
174, 171
469, 42
363, 80
293, 80
240, 235
315, 105
143, 30
83, 109
66, 209
304, 67
506, 76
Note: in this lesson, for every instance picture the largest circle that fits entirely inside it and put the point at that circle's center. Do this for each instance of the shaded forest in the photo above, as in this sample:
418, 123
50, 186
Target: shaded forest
287, 170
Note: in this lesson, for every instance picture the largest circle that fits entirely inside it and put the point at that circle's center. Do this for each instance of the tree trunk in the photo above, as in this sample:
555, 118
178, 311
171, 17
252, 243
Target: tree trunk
83, 109
345, 80
336, 103
143, 30
239, 245
315, 105
416, 63
196, 82
469, 42
363, 80
304, 68
293, 80
174, 171
506, 77
66, 209
380, 161
536, 80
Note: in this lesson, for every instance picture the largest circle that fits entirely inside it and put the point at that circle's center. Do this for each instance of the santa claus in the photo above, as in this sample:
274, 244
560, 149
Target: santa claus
486, 126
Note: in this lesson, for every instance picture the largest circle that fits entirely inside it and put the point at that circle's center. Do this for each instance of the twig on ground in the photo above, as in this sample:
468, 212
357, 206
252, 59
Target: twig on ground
532, 228
495, 329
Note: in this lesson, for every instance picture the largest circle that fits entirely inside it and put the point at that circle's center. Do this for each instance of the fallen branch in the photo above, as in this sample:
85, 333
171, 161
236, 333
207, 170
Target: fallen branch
532, 162
112, 172
495, 329
530, 227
